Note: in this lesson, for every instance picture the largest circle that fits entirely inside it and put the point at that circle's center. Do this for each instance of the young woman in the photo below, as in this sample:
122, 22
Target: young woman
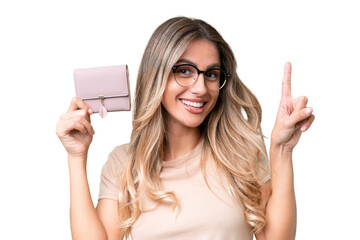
196, 166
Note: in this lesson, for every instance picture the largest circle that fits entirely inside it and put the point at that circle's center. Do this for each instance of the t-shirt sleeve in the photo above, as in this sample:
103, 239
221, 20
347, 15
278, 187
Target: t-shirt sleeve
110, 173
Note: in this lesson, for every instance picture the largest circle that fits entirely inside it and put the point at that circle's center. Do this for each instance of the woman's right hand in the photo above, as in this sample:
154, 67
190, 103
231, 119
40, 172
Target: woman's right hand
74, 129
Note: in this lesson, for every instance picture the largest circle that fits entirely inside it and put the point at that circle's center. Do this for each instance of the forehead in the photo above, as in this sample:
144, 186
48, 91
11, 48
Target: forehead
202, 53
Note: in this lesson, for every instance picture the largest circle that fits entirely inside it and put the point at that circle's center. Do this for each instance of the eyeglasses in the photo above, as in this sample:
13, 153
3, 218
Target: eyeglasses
186, 75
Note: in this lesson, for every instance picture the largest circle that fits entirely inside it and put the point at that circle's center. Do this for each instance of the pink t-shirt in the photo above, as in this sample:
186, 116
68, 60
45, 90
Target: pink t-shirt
203, 214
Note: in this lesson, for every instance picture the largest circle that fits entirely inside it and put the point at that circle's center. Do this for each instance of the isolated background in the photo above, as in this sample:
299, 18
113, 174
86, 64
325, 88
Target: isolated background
43, 41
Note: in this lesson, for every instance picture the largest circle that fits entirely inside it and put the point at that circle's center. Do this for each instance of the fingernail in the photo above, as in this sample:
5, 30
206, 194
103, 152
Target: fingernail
303, 128
90, 111
308, 110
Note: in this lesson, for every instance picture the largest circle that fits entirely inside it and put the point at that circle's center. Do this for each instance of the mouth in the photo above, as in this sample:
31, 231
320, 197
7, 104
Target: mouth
193, 106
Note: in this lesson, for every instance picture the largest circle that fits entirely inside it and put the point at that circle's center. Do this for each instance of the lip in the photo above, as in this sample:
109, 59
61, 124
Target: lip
193, 100
193, 110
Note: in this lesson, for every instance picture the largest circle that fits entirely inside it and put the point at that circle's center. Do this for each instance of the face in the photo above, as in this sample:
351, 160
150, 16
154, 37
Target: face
189, 106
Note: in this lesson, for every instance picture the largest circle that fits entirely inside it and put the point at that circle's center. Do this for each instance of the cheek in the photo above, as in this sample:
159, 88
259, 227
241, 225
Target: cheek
170, 94
215, 98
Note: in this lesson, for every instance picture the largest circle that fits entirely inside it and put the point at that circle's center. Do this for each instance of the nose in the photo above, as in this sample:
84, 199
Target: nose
199, 87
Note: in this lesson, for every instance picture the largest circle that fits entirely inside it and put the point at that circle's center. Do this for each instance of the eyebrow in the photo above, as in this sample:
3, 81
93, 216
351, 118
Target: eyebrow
184, 60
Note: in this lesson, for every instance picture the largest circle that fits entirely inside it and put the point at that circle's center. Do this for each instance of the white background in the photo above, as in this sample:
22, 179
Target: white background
43, 41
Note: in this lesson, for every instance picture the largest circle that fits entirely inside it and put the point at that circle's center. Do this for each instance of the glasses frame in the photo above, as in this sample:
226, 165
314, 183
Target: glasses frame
227, 75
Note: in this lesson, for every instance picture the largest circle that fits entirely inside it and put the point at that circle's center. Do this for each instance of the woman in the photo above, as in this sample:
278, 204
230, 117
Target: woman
196, 166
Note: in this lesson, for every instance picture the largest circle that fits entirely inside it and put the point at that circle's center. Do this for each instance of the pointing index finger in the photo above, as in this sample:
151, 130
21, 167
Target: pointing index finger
286, 84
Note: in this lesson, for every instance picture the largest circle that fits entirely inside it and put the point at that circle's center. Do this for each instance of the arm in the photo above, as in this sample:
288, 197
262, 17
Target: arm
75, 133
85, 222
107, 210
293, 118
280, 215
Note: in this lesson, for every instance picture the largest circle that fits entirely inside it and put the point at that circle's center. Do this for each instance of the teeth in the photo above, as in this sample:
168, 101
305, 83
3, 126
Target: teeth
193, 104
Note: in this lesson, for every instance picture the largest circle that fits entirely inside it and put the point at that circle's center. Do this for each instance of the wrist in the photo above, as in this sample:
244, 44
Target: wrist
279, 151
77, 160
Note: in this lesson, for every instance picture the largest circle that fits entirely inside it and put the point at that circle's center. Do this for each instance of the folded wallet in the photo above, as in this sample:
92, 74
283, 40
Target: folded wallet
105, 89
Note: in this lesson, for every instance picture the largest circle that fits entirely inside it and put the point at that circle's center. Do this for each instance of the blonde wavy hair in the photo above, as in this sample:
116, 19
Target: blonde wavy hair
232, 132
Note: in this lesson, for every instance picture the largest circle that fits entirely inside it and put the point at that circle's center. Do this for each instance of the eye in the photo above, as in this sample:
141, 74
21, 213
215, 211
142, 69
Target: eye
212, 75
185, 71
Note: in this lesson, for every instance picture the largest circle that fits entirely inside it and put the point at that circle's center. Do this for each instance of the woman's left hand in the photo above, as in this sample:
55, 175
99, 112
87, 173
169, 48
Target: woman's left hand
293, 116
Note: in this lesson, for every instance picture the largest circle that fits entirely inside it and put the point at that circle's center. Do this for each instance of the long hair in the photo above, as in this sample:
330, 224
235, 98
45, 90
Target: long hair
232, 131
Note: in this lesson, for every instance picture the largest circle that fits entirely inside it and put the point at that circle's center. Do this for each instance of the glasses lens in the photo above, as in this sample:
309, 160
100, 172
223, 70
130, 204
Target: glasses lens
214, 79
185, 75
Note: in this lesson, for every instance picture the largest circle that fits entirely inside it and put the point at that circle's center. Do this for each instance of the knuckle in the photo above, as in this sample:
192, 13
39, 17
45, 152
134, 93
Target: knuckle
78, 119
57, 131
87, 108
82, 112
303, 114
304, 99
72, 124
62, 116
287, 123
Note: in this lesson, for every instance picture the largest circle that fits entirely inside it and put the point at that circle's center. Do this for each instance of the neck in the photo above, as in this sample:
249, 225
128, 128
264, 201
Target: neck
180, 140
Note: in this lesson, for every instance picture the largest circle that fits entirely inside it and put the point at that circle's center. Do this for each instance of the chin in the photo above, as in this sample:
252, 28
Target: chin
193, 124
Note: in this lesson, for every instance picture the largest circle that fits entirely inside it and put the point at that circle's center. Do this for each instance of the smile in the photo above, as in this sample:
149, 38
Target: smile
193, 107
192, 104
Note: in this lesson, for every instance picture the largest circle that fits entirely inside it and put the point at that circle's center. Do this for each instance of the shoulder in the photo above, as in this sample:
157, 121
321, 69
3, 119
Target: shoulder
118, 156
120, 151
